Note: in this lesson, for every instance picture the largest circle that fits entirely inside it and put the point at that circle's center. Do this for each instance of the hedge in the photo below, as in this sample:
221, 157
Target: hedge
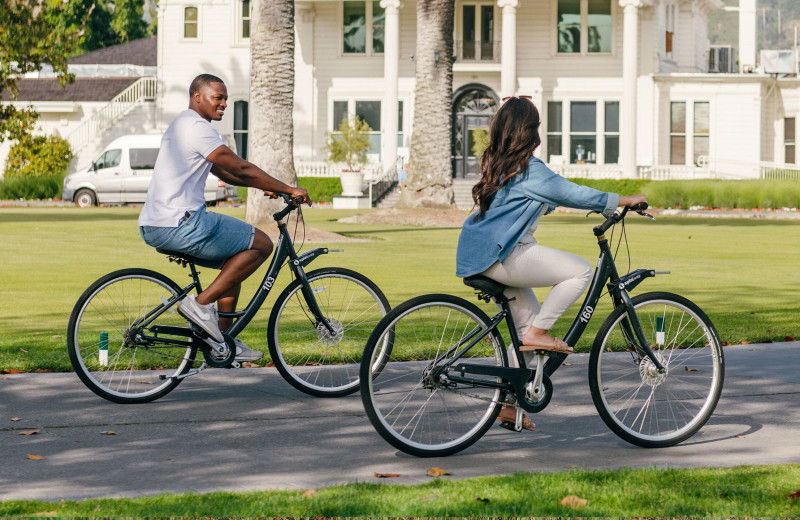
31, 187
320, 189
749, 194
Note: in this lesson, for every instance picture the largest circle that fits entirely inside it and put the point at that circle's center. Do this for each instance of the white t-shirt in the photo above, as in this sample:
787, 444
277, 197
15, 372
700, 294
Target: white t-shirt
181, 170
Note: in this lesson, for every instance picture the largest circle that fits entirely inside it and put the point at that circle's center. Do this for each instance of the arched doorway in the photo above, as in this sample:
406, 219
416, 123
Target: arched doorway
473, 107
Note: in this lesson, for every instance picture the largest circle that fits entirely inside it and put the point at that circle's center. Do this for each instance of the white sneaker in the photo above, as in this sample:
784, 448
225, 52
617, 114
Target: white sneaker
204, 316
245, 353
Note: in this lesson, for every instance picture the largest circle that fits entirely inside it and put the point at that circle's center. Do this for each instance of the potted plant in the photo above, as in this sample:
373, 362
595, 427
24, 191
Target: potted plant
349, 147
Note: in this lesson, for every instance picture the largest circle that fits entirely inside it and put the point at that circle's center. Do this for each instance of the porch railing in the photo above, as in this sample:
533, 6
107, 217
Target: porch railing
378, 182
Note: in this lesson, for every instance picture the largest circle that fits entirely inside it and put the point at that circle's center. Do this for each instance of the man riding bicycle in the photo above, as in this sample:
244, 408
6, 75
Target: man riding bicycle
174, 216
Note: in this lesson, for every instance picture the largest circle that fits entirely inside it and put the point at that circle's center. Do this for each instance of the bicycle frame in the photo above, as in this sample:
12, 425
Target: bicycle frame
283, 251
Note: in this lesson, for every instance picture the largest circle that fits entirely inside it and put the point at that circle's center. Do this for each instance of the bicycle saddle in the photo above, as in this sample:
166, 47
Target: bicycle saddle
484, 285
183, 257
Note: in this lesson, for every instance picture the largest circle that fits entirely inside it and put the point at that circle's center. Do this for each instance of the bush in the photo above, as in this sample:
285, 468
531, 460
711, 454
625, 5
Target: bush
623, 186
320, 189
31, 187
725, 194
38, 156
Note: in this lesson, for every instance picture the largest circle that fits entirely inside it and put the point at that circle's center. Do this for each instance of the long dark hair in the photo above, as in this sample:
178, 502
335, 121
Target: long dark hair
513, 136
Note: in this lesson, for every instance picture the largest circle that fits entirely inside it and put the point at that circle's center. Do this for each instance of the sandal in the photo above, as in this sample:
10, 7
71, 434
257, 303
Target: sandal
558, 346
509, 423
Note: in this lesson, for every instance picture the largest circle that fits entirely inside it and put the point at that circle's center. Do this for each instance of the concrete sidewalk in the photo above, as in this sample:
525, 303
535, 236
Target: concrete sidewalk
238, 430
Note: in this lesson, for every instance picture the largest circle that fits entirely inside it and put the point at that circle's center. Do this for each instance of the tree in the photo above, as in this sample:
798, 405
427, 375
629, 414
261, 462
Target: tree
28, 40
128, 21
430, 171
271, 102
93, 17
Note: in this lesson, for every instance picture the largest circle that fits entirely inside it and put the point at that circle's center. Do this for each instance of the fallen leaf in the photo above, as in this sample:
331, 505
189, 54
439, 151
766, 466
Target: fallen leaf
13, 418
248, 364
436, 472
484, 500
109, 432
795, 495
573, 501
11, 371
687, 369
28, 432
745, 342
35, 457
42, 370
23, 350
269, 364
770, 331
386, 475
308, 493
788, 338
726, 343
740, 436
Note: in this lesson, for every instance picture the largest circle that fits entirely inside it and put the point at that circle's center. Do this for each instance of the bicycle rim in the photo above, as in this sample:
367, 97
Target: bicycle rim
126, 372
648, 408
311, 357
417, 414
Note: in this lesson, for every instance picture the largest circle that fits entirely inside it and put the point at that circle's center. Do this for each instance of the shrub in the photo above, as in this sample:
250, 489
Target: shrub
31, 187
747, 194
622, 186
38, 156
320, 189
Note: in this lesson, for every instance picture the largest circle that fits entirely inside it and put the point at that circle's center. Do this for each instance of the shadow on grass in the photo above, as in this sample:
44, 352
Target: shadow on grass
27, 216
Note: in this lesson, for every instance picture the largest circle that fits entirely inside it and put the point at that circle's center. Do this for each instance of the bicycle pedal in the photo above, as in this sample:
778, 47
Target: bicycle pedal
235, 364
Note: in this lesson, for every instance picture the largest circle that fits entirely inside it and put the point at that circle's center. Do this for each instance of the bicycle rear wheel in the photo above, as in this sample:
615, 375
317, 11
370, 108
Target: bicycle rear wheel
410, 402
639, 404
305, 352
102, 344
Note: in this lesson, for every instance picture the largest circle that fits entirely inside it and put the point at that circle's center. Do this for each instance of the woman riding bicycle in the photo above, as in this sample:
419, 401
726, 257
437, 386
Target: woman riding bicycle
497, 241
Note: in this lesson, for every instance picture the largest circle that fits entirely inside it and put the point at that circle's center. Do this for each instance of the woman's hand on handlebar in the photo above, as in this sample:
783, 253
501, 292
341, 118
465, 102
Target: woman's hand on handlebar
632, 200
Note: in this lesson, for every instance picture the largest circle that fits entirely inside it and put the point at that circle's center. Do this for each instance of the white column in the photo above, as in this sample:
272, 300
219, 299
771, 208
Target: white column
508, 72
391, 63
630, 74
747, 34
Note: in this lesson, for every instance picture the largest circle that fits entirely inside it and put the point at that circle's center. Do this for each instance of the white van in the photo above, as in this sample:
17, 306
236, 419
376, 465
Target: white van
122, 173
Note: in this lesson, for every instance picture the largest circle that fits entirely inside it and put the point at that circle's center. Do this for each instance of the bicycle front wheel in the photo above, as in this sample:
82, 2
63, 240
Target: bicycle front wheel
102, 342
306, 353
641, 405
410, 399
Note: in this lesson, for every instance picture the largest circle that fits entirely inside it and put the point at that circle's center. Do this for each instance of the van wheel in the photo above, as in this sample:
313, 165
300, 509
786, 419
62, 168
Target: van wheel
211, 203
85, 198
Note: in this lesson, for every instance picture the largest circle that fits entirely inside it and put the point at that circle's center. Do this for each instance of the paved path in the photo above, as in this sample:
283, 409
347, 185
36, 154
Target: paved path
249, 430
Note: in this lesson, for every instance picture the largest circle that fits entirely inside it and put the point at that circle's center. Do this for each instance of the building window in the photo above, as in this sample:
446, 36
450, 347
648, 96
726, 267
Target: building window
477, 33
677, 132
240, 126
367, 111
584, 26
701, 131
583, 132
789, 140
190, 22
245, 13
554, 132
611, 130
399, 124
363, 26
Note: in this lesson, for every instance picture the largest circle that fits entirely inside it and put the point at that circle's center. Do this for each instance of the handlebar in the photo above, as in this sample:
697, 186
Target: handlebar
616, 217
291, 205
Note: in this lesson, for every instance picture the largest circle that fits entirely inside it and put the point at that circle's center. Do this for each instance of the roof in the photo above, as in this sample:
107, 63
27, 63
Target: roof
137, 52
84, 89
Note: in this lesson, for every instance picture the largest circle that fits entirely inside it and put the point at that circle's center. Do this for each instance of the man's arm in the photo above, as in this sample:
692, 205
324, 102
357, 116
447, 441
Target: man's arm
234, 170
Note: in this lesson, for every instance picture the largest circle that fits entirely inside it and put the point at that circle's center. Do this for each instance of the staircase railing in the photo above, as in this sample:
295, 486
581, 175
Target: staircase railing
142, 90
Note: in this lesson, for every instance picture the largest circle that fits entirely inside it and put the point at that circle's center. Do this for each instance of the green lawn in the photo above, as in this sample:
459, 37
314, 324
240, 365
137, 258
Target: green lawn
762, 491
740, 271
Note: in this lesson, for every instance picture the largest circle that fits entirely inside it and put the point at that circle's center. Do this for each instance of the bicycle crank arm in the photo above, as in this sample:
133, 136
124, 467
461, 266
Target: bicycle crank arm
184, 376
516, 377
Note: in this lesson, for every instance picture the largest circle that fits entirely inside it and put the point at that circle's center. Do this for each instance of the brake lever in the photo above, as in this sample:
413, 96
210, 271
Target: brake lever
645, 214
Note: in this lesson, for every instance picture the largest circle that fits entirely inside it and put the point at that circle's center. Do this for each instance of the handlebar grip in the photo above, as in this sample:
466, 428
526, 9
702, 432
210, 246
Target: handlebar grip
640, 207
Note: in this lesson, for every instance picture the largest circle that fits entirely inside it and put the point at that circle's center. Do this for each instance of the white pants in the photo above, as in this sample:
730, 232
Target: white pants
532, 265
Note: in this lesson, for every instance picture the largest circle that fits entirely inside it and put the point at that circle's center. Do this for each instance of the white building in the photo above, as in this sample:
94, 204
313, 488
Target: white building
623, 85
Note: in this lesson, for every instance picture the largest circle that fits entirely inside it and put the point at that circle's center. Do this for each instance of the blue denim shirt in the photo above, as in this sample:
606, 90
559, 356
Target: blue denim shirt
515, 207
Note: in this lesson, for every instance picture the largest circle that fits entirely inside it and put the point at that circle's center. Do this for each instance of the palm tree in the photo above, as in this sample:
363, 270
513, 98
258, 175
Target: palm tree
430, 172
271, 133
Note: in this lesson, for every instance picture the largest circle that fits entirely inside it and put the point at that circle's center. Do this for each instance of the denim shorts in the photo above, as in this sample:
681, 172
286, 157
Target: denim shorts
210, 238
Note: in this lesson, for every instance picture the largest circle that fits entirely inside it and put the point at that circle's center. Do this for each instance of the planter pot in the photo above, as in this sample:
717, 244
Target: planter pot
351, 183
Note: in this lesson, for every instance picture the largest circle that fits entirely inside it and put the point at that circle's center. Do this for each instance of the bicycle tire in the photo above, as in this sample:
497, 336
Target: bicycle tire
127, 374
305, 353
640, 405
416, 415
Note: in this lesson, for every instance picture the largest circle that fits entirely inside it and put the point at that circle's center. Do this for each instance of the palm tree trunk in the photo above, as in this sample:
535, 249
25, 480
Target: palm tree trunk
430, 171
271, 133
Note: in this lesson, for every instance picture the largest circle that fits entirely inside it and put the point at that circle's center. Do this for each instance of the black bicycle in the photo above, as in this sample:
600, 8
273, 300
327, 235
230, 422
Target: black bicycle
435, 371
128, 344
